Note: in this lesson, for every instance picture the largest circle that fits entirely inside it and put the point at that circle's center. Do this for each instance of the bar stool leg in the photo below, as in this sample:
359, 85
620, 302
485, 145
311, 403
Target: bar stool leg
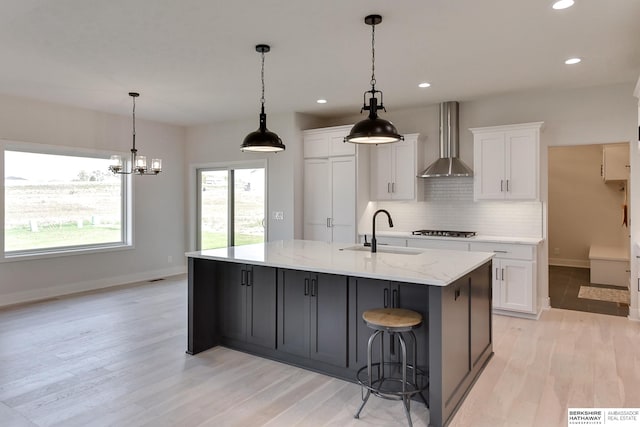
369, 369
405, 398
415, 366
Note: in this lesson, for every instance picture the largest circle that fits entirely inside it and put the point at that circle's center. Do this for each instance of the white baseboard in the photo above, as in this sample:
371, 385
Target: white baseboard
90, 285
634, 314
564, 262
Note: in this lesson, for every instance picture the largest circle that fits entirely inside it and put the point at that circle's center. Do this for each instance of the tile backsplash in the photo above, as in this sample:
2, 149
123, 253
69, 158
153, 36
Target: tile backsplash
449, 205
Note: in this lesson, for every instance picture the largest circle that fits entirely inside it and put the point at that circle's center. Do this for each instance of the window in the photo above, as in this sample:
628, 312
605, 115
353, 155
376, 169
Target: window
58, 201
231, 206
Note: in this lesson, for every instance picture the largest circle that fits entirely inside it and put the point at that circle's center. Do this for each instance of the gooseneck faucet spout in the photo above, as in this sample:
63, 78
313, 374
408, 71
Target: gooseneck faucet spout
374, 242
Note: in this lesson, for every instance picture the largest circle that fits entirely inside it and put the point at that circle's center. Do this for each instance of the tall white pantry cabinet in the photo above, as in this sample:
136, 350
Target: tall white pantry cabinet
330, 185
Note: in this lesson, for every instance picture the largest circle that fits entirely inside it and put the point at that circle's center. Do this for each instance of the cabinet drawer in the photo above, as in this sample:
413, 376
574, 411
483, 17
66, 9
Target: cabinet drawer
438, 244
504, 250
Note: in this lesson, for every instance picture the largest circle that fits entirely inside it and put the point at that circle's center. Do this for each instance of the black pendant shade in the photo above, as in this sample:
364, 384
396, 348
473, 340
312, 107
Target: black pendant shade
373, 129
262, 140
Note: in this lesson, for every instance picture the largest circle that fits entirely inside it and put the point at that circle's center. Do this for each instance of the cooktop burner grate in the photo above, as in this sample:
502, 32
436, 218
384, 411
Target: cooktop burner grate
443, 233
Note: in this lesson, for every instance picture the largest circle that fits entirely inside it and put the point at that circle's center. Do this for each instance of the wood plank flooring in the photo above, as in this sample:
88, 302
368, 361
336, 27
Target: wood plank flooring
117, 358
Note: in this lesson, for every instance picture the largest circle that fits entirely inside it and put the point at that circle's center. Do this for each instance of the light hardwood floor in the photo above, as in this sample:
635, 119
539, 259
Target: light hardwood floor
117, 357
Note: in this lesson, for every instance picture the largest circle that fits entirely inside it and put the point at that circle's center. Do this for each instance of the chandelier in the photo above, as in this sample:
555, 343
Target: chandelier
138, 164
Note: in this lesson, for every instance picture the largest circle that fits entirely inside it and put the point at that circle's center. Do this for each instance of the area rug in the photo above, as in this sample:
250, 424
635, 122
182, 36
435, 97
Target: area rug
604, 294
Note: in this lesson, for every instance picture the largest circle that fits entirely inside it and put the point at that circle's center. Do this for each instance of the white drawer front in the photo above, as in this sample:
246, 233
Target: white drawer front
438, 244
504, 250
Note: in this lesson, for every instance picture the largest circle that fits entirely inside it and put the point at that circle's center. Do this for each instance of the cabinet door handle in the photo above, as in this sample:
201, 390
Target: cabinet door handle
306, 286
638, 284
498, 251
393, 187
394, 298
388, 187
328, 223
249, 277
497, 274
314, 285
501, 185
386, 297
243, 277
507, 185
502, 275
456, 294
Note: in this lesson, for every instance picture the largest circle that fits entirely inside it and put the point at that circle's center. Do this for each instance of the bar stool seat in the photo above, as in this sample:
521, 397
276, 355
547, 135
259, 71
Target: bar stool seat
392, 383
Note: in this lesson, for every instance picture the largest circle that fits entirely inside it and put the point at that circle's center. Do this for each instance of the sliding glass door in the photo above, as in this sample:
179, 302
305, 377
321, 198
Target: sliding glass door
231, 206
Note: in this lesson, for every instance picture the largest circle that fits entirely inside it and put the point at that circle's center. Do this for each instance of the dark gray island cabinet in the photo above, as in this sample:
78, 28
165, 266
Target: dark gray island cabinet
301, 303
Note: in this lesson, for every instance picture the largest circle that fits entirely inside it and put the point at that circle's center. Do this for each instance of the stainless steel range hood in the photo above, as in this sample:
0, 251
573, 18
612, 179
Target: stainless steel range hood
448, 164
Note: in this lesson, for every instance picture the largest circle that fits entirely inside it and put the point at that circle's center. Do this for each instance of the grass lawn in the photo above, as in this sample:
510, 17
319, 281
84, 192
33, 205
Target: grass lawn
55, 236
212, 240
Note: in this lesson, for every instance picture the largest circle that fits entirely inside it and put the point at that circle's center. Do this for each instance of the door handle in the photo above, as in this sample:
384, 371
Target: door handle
388, 187
393, 187
250, 277
507, 185
501, 185
497, 274
306, 286
243, 277
328, 222
502, 275
456, 294
394, 299
386, 297
314, 285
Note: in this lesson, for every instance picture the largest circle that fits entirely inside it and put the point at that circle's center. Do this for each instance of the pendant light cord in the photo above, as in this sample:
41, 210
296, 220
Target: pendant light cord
134, 123
262, 79
373, 58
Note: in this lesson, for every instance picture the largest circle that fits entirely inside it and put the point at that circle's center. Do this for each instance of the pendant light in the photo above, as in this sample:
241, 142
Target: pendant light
138, 163
262, 140
373, 130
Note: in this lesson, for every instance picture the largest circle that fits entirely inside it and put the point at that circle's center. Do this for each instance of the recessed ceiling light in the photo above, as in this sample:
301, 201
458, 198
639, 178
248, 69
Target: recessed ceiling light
562, 4
321, 101
572, 61
424, 84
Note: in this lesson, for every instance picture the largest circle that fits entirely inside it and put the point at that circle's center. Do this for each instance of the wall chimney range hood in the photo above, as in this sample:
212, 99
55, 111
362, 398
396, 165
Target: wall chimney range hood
448, 164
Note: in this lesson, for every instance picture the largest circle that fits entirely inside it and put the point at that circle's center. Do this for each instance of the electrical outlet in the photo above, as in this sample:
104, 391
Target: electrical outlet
277, 215
556, 251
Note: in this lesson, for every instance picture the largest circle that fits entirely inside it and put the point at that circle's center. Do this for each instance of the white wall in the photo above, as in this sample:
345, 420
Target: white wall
220, 143
158, 219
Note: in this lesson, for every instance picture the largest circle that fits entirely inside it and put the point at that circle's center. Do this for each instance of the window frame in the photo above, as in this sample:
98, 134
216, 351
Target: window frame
126, 219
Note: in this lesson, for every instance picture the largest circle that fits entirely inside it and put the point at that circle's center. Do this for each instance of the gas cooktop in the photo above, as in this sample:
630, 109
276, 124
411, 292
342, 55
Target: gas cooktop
443, 233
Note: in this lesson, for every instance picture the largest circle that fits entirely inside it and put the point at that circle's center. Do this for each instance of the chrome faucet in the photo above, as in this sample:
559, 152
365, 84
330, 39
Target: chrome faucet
374, 242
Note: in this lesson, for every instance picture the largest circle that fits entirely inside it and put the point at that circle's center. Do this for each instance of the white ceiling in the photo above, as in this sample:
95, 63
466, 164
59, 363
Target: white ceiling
194, 61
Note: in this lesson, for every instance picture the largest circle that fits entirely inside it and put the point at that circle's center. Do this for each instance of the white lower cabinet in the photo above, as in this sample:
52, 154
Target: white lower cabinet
438, 244
514, 274
513, 285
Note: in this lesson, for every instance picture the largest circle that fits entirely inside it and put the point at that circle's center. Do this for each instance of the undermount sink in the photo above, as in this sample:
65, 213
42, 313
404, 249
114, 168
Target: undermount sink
389, 250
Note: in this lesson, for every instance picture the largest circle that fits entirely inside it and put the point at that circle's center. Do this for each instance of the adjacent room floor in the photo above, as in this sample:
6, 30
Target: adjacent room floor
564, 292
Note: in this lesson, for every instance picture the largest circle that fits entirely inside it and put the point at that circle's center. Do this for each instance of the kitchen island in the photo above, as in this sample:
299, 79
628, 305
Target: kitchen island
301, 302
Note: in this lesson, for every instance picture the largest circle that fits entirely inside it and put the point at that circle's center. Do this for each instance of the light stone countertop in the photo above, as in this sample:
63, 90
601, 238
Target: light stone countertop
478, 238
411, 265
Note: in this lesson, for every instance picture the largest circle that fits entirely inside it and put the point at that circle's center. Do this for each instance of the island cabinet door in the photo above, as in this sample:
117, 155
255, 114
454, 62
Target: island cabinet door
367, 294
248, 303
229, 277
294, 288
415, 297
328, 297
261, 305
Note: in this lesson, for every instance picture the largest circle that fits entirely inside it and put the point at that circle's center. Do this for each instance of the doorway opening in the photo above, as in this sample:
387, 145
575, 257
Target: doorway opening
588, 228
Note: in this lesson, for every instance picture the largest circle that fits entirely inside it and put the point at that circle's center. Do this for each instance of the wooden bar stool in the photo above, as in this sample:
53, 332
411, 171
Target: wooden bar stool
392, 386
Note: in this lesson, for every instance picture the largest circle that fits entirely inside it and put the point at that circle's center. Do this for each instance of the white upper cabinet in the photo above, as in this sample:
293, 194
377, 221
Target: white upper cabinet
328, 142
394, 169
615, 162
506, 162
